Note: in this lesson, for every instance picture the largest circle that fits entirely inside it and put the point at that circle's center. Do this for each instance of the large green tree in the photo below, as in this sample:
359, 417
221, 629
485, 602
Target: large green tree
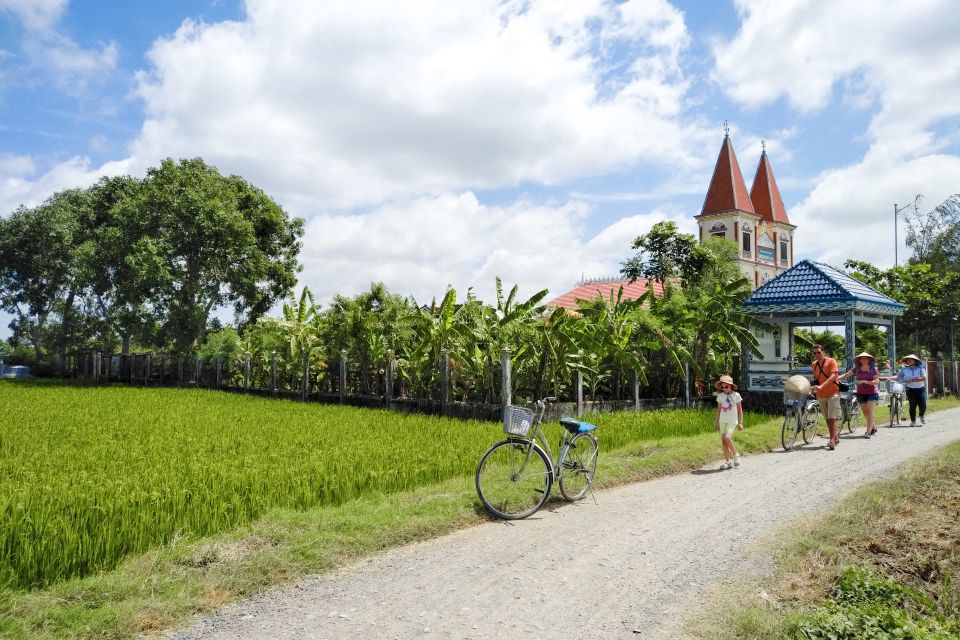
38, 263
221, 242
664, 254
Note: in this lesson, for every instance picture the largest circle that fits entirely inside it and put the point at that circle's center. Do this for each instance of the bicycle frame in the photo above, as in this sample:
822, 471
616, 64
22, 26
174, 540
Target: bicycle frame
539, 438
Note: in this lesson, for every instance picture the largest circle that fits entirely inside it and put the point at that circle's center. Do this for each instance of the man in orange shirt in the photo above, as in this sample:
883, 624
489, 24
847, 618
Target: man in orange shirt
825, 371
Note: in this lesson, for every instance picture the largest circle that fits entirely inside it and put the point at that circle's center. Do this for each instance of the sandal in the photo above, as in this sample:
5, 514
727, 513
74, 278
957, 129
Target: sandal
831, 446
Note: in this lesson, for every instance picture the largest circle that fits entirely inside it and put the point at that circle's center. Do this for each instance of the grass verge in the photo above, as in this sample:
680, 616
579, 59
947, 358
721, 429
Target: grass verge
162, 588
885, 564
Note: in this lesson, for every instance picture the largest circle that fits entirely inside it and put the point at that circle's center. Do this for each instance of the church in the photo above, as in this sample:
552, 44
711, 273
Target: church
756, 221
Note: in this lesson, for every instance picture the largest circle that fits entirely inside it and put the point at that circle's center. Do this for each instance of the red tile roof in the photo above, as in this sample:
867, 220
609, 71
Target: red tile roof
765, 195
727, 189
603, 288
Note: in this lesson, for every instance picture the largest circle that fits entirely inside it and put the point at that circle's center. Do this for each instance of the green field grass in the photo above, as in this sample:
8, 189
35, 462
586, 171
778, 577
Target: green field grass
90, 475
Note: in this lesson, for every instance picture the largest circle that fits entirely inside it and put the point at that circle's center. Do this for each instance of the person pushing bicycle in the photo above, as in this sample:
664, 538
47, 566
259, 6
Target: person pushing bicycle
826, 371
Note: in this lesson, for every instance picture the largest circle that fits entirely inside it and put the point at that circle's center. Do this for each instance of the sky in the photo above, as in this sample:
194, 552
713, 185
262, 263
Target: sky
431, 143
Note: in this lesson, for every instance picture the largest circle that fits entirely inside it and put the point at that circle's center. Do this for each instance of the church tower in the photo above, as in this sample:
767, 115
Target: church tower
757, 221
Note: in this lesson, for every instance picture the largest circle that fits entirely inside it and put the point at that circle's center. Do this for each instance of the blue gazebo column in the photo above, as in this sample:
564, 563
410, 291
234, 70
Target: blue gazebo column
892, 344
851, 337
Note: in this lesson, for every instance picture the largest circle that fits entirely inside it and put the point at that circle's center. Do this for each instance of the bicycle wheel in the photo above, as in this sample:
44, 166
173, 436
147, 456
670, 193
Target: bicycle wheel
894, 410
811, 422
578, 463
791, 425
854, 416
514, 478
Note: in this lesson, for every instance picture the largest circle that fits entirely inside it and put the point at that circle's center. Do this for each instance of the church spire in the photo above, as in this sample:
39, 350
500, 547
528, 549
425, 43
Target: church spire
765, 195
727, 191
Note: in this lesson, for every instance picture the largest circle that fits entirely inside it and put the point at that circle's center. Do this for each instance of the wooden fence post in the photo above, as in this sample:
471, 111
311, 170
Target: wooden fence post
579, 392
198, 373
388, 380
246, 371
686, 384
306, 375
343, 375
219, 362
506, 382
444, 380
636, 391
179, 369
273, 373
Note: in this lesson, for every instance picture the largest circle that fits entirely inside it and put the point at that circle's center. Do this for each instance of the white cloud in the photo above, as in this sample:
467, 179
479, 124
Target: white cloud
420, 246
20, 186
343, 105
850, 212
898, 61
48, 55
901, 57
35, 14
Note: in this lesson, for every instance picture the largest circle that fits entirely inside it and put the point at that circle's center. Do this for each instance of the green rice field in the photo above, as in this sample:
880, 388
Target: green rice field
89, 475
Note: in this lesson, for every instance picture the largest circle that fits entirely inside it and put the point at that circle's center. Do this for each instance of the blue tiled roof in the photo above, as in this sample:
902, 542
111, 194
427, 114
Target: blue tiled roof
814, 283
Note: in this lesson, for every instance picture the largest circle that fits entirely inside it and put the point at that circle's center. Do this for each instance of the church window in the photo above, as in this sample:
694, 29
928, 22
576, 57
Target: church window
747, 244
784, 248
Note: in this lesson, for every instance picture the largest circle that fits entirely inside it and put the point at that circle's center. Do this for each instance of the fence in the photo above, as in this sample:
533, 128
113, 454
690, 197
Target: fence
339, 382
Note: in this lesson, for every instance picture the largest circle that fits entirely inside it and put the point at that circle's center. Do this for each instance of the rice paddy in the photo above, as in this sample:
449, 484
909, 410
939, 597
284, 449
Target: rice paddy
89, 475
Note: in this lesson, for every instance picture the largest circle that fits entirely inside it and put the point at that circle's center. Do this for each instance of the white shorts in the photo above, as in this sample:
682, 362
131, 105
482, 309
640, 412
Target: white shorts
727, 428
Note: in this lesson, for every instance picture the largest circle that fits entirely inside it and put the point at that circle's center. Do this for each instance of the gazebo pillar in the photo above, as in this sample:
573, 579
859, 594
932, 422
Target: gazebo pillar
849, 332
892, 344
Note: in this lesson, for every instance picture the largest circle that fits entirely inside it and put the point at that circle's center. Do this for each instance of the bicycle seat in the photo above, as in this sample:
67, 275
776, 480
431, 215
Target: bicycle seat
576, 426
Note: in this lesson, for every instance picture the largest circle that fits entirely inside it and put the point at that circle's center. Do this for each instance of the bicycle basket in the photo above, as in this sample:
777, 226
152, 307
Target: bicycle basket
894, 387
517, 420
790, 400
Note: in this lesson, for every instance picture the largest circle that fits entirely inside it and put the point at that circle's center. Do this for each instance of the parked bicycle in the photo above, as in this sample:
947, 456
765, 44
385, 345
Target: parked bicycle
852, 417
895, 401
802, 416
514, 476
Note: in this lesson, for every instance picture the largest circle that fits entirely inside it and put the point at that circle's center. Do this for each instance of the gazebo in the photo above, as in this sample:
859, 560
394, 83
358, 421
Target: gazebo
812, 294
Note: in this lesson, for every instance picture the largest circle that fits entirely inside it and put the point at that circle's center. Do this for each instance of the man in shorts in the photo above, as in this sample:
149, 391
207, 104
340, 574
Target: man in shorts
825, 372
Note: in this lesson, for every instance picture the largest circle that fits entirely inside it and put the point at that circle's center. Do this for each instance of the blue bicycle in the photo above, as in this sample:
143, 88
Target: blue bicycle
514, 476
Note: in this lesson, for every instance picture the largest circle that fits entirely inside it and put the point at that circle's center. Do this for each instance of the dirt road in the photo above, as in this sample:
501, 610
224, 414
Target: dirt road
625, 566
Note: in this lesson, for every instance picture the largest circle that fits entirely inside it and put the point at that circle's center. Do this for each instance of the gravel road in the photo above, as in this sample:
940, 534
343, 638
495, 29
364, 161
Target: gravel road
627, 565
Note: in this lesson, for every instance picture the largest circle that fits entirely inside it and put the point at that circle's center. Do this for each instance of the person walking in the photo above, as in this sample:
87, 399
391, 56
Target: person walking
867, 375
827, 389
729, 416
913, 375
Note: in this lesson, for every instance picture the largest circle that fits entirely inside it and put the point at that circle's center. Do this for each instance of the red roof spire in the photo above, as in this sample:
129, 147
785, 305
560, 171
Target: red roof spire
727, 189
765, 195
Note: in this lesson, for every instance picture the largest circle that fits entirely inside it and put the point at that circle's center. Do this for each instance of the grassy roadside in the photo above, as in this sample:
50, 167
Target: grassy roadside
885, 564
162, 588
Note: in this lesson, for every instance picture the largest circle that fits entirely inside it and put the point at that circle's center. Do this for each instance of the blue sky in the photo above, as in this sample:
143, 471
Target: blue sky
431, 143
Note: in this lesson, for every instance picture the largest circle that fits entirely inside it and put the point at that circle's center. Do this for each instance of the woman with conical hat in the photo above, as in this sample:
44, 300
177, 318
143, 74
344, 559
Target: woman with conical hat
867, 375
913, 375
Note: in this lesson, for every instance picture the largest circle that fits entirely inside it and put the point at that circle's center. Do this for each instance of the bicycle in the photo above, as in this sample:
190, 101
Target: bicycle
515, 475
801, 417
852, 417
895, 403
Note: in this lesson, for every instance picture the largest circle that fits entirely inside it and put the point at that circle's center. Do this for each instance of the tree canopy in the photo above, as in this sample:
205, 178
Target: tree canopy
147, 259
